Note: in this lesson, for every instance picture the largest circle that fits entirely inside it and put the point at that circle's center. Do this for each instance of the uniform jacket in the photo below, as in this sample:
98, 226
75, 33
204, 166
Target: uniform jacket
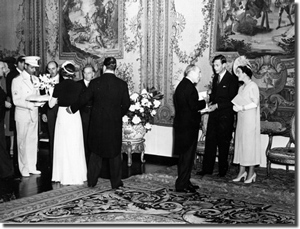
22, 87
111, 101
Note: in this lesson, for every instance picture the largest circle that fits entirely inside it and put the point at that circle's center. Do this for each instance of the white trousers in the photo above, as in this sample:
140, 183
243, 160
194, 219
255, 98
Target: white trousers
27, 140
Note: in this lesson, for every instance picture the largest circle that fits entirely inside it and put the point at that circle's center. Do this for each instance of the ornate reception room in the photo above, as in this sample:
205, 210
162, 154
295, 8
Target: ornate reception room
154, 43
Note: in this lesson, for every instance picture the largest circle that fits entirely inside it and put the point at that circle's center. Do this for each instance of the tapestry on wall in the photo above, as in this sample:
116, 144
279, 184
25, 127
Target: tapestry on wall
91, 28
264, 32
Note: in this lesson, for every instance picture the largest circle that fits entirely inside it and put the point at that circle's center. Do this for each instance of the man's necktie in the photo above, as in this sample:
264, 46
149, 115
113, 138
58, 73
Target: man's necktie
218, 81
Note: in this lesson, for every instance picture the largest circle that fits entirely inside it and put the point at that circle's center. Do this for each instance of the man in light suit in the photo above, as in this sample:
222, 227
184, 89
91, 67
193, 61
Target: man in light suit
26, 116
111, 102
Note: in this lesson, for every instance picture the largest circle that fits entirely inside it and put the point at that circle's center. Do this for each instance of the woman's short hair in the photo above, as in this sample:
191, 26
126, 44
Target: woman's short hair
246, 70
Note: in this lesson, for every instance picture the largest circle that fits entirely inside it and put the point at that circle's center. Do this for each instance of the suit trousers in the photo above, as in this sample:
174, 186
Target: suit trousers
6, 166
218, 135
85, 118
27, 134
185, 165
51, 119
115, 169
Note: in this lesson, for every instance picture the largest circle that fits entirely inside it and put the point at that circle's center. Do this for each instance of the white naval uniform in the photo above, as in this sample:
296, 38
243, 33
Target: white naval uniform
26, 116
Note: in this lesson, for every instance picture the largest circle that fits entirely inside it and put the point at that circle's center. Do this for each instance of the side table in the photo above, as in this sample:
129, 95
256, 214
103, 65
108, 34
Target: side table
133, 146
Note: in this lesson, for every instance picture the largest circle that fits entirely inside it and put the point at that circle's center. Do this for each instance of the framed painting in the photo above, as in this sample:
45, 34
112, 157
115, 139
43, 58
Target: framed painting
253, 28
91, 28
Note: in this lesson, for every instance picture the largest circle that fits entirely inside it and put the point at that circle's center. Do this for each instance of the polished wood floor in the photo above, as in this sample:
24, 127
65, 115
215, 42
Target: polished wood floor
19, 187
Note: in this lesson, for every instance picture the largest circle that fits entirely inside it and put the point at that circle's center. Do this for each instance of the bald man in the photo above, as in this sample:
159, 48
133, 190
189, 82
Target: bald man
186, 126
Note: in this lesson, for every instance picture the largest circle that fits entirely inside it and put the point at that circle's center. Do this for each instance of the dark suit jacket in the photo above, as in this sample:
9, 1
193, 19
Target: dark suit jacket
111, 102
223, 93
6, 166
10, 76
89, 104
187, 116
2, 104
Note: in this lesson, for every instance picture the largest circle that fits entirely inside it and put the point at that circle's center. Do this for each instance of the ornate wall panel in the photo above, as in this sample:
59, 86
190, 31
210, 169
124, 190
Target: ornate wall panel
169, 46
34, 29
158, 55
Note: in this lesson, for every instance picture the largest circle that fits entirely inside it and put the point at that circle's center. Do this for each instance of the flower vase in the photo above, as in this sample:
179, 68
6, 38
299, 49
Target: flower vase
133, 132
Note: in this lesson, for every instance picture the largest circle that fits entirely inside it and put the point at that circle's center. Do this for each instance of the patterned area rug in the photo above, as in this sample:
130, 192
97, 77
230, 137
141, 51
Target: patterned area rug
146, 198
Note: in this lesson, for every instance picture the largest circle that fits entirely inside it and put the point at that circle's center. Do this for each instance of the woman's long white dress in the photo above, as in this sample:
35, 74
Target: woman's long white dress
69, 164
247, 150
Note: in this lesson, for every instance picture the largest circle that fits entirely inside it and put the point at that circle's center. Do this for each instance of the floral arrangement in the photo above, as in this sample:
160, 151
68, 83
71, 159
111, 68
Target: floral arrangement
143, 108
45, 82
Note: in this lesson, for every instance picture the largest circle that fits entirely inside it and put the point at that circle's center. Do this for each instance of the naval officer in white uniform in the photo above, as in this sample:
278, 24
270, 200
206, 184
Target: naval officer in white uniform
26, 116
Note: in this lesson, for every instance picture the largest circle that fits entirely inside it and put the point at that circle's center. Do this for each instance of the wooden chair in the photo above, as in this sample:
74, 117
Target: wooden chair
201, 143
282, 155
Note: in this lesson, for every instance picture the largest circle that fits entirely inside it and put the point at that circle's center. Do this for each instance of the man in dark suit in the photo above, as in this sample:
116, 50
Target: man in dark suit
6, 167
221, 118
111, 102
186, 126
49, 114
88, 73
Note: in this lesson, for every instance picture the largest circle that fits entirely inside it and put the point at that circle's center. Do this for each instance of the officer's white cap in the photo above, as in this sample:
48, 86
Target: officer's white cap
32, 60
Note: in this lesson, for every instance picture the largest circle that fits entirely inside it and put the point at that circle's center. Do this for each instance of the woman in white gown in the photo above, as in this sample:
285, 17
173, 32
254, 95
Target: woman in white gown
69, 165
247, 136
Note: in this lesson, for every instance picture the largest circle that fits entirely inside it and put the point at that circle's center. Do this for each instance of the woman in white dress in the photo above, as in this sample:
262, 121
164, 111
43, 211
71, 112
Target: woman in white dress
69, 165
247, 135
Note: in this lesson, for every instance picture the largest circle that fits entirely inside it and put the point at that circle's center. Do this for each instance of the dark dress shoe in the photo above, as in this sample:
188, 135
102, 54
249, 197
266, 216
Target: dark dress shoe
186, 190
91, 185
202, 173
119, 186
193, 186
221, 174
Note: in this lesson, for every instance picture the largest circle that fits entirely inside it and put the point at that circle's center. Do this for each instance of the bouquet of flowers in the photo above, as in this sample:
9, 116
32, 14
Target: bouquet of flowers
45, 83
143, 108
